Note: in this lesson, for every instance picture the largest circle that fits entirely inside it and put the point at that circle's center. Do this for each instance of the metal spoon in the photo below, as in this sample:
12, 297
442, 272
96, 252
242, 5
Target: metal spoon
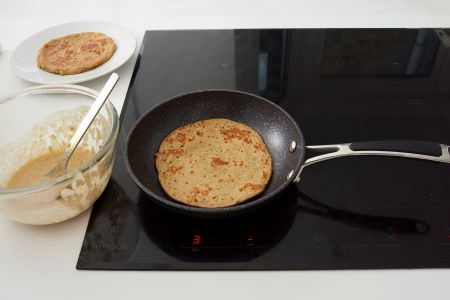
61, 167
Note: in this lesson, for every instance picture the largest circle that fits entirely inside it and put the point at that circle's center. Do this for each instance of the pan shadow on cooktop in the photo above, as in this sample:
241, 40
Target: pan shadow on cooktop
234, 239
240, 238
198, 240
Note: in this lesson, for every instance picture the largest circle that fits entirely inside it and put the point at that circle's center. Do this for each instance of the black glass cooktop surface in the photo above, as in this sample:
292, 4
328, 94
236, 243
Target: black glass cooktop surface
340, 85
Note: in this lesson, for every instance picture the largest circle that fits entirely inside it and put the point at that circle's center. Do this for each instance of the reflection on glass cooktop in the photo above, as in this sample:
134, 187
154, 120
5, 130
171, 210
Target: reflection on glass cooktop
340, 85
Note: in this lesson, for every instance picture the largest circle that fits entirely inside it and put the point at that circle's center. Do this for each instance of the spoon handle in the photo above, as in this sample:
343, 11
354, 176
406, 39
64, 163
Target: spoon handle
90, 116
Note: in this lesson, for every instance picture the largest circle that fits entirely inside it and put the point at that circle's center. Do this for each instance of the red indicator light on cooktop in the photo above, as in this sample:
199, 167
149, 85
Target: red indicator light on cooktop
197, 240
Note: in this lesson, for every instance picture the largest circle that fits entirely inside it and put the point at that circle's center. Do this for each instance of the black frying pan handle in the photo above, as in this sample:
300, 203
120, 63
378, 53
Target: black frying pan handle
406, 149
414, 147
369, 221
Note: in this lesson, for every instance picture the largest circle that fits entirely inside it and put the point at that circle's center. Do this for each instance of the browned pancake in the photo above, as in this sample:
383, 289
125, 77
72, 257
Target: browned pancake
213, 163
76, 53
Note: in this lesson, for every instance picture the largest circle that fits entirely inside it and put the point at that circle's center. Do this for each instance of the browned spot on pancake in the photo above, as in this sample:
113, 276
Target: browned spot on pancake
89, 46
67, 53
251, 186
233, 133
200, 133
196, 191
174, 151
241, 163
181, 137
216, 161
59, 60
174, 169
247, 140
264, 175
259, 147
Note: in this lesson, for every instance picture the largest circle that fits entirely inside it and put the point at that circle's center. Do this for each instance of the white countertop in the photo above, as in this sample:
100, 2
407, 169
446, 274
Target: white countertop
39, 262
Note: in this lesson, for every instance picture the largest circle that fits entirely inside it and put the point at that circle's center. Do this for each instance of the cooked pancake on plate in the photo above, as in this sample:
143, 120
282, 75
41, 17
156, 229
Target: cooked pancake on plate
75, 53
213, 163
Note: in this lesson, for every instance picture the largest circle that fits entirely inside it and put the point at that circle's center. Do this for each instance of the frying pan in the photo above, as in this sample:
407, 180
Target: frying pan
280, 132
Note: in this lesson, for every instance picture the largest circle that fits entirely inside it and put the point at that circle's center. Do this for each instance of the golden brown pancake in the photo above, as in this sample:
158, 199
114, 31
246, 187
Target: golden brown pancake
76, 53
213, 163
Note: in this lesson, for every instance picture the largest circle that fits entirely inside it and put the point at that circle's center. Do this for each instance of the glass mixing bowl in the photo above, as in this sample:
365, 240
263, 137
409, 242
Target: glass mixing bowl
42, 118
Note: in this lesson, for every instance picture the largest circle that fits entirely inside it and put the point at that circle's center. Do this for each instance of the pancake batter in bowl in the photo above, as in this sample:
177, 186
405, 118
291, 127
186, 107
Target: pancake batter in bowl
35, 171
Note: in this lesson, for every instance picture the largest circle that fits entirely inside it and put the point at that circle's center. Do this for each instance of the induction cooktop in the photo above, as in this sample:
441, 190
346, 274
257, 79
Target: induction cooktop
340, 85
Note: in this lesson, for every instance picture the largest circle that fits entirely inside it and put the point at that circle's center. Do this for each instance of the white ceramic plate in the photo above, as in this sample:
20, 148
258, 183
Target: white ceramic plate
24, 56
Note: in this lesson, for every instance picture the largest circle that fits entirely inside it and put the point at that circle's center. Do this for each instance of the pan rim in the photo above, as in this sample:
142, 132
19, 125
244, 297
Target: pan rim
252, 202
